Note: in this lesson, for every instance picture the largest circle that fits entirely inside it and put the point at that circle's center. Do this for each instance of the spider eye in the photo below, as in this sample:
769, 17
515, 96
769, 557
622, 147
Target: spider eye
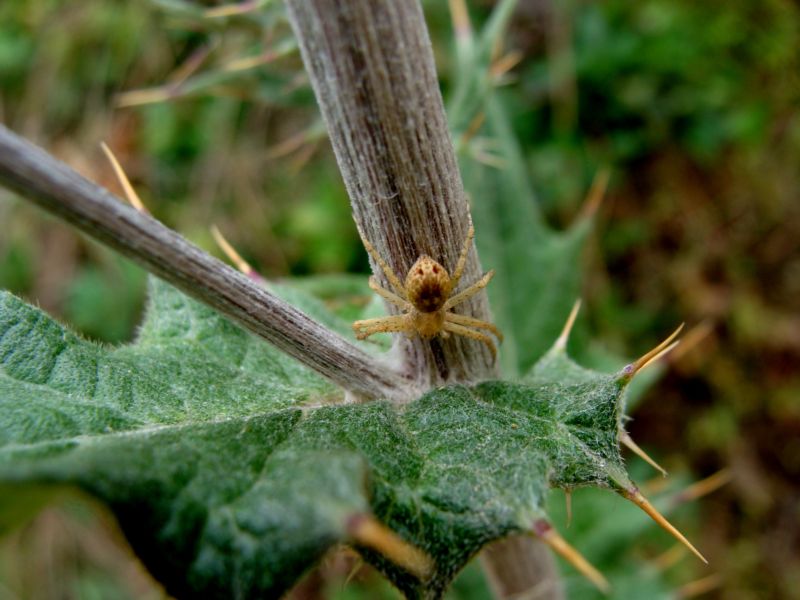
420, 272
435, 269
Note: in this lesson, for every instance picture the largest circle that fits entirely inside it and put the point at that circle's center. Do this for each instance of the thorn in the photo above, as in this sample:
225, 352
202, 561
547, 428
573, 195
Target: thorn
130, 194
249, 62
626, 439
652, 356
596, 193
296, 141
486, 157
699, 586
233, 255
636, 497
190, 66
174, 81
667, 559
703, 487
496, 50
563, 338
545, 532
230, 10
504, 64
462, 28
302, 157
143, 96
472, 129
655, 485
367, 531
693, 338
568, 502
357, 564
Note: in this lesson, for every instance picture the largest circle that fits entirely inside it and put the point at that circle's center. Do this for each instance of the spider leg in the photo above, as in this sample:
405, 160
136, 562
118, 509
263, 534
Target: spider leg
472, 322
367, 327
475, 335
387, 295
462, 260
390, 275
469, 292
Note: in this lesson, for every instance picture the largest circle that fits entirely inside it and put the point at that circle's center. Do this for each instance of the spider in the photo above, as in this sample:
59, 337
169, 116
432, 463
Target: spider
426, 301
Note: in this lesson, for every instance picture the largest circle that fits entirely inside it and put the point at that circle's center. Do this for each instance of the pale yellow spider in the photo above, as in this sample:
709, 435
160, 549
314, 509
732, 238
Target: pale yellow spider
426, 301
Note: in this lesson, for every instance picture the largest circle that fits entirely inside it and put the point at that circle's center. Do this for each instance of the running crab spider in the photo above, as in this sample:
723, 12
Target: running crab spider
426, 301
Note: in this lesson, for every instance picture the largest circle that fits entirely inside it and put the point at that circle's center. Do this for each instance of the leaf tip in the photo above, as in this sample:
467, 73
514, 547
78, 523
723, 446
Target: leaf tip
547, 534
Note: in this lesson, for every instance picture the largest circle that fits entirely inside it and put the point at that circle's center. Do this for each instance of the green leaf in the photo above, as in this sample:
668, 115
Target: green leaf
538, 270
193, 362
231, 477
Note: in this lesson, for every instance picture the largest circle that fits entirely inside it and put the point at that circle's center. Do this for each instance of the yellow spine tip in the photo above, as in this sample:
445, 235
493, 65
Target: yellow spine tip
240, 263
636, 497
547, 534
130, 194
704, 487
461, 22
647, 359
563, 338
627, 440
596, 193
230, 10
699, 587
367, 531
670, 557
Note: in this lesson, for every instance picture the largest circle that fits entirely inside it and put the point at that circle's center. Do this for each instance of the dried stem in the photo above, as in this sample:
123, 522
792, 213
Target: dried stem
372, 69
371, 66
58, 189
521, 567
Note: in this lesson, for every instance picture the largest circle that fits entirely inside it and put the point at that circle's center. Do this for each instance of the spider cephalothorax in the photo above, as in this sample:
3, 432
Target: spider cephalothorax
426, 302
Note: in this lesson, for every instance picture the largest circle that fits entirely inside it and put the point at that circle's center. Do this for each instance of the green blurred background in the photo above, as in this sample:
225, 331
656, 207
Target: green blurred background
693, 106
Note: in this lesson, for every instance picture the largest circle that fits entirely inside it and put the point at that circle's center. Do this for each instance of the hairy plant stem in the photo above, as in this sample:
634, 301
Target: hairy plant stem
371, 66
61, 191
372, 69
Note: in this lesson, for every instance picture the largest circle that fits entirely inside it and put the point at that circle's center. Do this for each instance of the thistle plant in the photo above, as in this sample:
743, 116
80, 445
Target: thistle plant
246, 432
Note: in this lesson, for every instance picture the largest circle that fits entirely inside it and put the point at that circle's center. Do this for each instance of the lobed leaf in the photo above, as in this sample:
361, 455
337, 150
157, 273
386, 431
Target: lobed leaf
230, 475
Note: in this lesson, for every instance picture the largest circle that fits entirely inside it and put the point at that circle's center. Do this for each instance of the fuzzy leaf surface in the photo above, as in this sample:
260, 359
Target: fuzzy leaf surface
230, 475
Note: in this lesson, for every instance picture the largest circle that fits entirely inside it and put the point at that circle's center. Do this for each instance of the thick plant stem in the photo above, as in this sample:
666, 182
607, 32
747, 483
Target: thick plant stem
61, 191
372, 69
521, 567
371, 66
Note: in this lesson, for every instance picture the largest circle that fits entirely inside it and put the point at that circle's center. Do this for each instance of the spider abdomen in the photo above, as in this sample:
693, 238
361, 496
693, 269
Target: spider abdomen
428, 285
